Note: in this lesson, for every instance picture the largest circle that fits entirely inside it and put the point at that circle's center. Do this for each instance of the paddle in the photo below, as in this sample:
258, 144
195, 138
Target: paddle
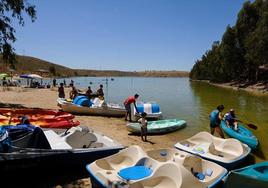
250, 125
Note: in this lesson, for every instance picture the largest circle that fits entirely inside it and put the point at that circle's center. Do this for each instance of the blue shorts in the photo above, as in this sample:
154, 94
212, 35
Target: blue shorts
214, 124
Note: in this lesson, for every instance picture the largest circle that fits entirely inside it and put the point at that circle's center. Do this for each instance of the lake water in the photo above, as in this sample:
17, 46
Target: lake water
191, 101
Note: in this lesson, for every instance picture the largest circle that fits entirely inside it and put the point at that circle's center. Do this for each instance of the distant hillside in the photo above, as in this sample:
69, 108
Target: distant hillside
26, 64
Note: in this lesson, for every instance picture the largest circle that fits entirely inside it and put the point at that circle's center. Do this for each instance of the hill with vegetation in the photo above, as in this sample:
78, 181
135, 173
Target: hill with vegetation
26, 64
242, 53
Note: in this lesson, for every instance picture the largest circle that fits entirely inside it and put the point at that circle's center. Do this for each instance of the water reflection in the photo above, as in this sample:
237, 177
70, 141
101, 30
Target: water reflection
249, 108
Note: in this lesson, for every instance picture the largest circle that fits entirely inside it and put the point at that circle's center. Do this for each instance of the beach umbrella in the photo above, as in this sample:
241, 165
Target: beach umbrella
25, 76
4, 75
35, 76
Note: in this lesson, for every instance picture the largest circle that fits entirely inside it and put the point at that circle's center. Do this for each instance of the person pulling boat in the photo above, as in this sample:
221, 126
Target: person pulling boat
215, 120
127, 104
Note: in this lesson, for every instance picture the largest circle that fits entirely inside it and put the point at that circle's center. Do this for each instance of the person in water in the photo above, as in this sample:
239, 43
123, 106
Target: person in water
143, 123
231, 120
215, 120
127, 104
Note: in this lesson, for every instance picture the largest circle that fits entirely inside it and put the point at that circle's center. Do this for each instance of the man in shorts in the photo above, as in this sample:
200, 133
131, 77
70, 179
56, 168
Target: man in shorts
215, 120
127, 104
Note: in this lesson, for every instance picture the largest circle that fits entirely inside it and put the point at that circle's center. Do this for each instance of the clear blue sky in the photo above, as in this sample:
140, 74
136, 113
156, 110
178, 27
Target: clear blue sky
125, 34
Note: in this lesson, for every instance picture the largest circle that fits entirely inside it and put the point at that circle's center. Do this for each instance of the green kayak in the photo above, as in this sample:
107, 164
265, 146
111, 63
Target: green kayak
158, 127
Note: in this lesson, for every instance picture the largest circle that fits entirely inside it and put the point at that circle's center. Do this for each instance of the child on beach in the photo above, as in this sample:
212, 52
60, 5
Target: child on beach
143, 123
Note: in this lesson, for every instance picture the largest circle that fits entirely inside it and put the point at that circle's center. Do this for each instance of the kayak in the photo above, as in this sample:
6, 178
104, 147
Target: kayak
44, 118
158, 127
251, 176
34, 113
242, 134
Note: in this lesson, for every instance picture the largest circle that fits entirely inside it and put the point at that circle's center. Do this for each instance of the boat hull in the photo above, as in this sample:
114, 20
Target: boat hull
252, 176
243, 135
48, 168
95, 111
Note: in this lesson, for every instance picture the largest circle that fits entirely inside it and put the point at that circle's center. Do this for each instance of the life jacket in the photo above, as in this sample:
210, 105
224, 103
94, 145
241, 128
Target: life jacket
214, 116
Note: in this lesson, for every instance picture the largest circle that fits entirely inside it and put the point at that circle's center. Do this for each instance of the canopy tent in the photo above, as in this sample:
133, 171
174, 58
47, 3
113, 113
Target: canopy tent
4, 75
31, 76
35, 76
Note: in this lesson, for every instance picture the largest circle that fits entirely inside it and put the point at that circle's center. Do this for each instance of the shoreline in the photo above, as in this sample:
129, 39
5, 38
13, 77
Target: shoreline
115, 128
259, 88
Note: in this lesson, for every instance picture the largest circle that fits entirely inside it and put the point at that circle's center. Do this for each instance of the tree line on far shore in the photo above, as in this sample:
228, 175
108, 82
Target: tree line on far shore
242, 54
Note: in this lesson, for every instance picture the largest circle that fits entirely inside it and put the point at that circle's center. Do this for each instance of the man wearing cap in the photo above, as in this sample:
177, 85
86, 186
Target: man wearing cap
215, 120
230, 119
127, 104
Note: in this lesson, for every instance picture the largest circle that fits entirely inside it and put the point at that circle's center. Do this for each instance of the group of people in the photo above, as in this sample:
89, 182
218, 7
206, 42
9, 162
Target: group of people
74, 92
216, 117
99, 93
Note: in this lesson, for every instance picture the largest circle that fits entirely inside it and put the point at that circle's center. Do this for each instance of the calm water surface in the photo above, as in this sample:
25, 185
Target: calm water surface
191, 101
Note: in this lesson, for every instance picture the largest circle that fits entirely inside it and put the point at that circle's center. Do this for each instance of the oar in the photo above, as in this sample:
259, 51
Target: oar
250, 125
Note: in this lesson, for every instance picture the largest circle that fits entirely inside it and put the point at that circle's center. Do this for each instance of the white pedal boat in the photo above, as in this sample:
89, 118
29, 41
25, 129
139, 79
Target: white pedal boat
164, 168
226, 152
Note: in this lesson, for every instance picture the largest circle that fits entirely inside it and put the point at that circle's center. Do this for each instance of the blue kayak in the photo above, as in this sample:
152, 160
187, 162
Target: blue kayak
251, 176
242, 134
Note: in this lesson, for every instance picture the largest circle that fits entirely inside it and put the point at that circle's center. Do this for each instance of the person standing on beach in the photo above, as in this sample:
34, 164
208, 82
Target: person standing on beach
215, 120
4, 83
143, 123
73, 93
54, 82
71, 83
61, 91
127, 104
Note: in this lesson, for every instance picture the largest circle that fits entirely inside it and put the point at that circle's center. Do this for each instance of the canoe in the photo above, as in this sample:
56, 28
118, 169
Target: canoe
59, 156
44, 118
100, 108
156, 168
243, 134
228, 153
255, 175
152, 110
158, 127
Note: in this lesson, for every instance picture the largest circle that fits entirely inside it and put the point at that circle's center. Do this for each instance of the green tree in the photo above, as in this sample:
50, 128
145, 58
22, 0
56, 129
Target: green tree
11, 10
242, 50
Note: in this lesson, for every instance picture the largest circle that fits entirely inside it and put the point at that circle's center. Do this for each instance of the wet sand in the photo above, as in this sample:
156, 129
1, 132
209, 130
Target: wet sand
112, 127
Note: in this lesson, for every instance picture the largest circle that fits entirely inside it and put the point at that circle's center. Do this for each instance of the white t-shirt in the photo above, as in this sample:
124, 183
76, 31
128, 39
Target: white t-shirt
143, 122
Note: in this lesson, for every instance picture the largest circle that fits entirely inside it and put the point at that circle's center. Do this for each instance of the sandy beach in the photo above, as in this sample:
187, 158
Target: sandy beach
112, 127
